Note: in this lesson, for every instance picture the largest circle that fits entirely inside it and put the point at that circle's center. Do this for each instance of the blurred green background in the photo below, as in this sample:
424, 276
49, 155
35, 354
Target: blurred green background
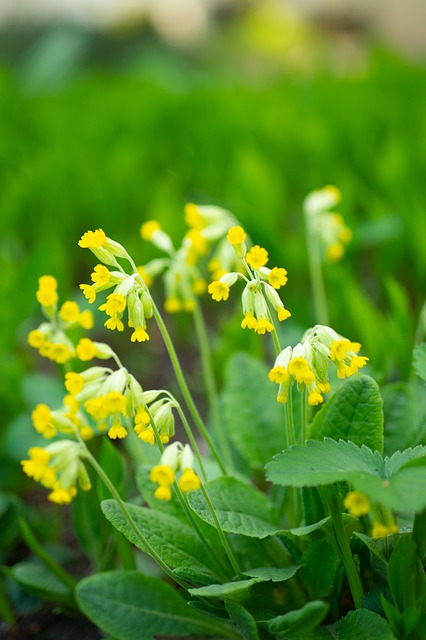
110, 126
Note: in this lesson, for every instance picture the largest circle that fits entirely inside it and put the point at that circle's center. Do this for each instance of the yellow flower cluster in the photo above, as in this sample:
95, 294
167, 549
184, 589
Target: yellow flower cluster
50, 338
357, 504
326, 226
58, 467
308, 362
260, 293
174, 458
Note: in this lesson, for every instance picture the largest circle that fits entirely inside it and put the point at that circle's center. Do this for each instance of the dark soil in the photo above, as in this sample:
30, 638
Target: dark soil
47, 625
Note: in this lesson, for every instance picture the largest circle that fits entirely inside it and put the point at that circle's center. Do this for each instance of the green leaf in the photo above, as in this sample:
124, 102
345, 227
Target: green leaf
319, 564
370, 544
131, 606
362, 624
419, 361
242, 619
112, 463
176, 543
273, 573
239, 508
41, 582
193, 576
396, 482
400, 419
296, 623
406, 575
353, 413
240, 589
254, 420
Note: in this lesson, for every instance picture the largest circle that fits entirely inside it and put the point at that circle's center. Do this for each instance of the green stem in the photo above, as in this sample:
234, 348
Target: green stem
331, 498
192, 440
419, 533
210, 384
291, 436
317, 278
184, 387
101, 473
6, 611
304, 415
50, 563
222, 535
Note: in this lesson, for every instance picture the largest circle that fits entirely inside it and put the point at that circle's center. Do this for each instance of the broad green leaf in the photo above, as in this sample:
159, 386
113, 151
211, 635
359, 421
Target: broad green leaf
353, 413
406, 575
239, 589
419, 361
191, 575
362, 624
296, 623
254, 420
130, 606
209, 608
400, 418
274, 574
41, 581
319, 564
395, 482
242, 619
313, 506
176, 543
239, 508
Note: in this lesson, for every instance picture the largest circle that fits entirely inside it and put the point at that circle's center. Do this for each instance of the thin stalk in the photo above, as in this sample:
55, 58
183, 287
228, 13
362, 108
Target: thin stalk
192, 440
184, 387
290, 423
221, 533
50, 563
6, 611
331, 498
210, 384
101, 473
317, 278
304, 415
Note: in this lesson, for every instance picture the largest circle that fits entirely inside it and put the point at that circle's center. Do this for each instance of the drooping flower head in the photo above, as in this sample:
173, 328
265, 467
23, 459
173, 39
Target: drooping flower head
324, 225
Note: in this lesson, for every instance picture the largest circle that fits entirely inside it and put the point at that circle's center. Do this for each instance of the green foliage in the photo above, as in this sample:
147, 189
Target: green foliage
253, 419
129, 605
390, 481
420, 360
353, 413
239, 508
319, 565
296, 623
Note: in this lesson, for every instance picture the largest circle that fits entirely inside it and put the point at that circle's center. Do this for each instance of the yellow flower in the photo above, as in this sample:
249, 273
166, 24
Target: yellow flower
236, 235
162, 474
47, 283
59, 495
163, 492
249, 321
193, 218
148, 229
36, 466
101, 275
380, 530
277, 277
189, 481
85, 319
43, 421
69, 312
117, 431
74, 382
315, 398
257, 257
340, 349
86, 349
92, 239
139, 335
283, 314
36, 339
47, 298
356, 503
278, 374
116, 303
114, 402
172, 305
146, 277
58, 352
263, 325
218, 291
146, 435
300, 369
89, 292
334, 252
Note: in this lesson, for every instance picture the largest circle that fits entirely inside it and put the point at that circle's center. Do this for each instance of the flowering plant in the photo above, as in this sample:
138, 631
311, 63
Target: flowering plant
292, 523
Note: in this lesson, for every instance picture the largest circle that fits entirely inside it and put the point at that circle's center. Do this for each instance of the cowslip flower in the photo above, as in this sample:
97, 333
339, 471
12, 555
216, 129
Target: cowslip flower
356, 503
326, 226
260, 292
176, 457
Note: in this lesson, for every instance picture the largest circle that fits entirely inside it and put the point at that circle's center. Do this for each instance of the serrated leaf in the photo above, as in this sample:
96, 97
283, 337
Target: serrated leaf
239, 508
362, 624
250, 409
176, 543
396, 483
274, 574
130, 606
242, 619
296, 623
353, 413
419, 360
319, 565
